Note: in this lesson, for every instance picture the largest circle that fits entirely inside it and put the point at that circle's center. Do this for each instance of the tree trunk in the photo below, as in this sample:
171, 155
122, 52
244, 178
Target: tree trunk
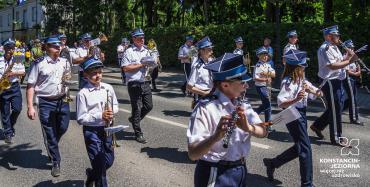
149, 12
205, 11
269, 12
169, 15
328, 6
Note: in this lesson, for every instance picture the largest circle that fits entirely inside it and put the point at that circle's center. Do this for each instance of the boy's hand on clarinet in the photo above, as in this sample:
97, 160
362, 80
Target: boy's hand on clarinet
222, 127
301, 95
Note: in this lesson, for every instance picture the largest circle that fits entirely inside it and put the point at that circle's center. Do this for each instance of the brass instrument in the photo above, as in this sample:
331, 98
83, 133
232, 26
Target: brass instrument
18, 57
149, 67
94, 50
109, 106
193, 53
66, 80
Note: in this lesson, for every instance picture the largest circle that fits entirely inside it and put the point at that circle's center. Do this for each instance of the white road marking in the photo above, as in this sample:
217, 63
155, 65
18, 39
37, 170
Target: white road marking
255, 144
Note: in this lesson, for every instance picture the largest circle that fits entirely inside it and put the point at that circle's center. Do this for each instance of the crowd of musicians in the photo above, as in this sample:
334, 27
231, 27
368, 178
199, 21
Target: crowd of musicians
222, 121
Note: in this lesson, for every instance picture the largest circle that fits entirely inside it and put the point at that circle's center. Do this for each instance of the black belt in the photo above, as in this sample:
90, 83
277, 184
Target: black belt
52, 98
224, 163
138, 82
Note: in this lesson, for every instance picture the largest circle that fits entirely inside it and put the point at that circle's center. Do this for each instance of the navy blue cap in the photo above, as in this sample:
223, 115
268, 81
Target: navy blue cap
228, 66
292, 33
125, 40
262, 50
8, 42
348, 44
91, 63
60, 36
238, 39
204, 43
189, 37
331, 30
296, 57
137, 32
86, 36
52, 40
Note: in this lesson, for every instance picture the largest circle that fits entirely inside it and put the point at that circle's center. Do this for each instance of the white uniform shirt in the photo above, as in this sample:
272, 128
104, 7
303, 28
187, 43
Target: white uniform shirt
133, 55
289, 90
329, 54
46, 76
203, 123
261, 67
288, 47
80, 52
199, 77
18, 67
184, 52
91, 102
238, 51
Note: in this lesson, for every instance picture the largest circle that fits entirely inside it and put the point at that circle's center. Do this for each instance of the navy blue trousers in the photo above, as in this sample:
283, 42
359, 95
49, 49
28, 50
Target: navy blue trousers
11, 106
54, 118
211, 174
350, 102
101, 154
333, 93
266, 103
301, 149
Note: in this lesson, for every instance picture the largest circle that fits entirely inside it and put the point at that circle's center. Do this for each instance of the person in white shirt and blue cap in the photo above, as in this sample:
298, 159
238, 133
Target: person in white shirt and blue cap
134, 65
221, 126
11, 96
121, 48
45, 81
350, 86
81, 54
332, 72
96, 105
263, 74
185, 57
64, 49
294, 92
200, 80
239, 43
292, 43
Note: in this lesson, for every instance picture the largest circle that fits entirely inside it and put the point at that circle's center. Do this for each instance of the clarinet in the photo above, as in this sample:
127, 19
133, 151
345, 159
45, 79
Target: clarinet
231, 125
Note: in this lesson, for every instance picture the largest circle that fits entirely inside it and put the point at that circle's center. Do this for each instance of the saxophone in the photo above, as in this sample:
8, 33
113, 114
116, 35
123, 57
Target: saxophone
5, 84
109, 106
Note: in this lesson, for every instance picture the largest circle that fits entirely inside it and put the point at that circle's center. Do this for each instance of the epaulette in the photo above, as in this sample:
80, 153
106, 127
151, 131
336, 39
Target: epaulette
327, 47
203, 101
287, 83
199, 63
41, 58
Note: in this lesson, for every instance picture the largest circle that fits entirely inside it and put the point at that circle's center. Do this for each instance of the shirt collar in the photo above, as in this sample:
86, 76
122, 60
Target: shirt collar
135, 48
92, 87
50, 60
224, 100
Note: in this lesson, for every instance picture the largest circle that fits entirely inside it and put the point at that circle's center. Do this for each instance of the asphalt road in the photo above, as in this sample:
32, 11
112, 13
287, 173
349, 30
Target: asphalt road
163, 160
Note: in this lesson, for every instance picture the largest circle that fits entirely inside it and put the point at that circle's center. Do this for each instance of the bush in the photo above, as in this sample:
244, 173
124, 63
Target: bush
169, 39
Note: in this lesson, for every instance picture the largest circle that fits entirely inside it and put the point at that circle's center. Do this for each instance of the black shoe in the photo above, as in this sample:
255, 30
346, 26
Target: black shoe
89, 182
270, 169
55, 170
317, 132
356, 122
140, 138
8, 140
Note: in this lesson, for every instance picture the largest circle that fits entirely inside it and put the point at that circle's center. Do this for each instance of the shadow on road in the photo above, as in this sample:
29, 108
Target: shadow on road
170, 95
123, 101
22, 156
124, 135
169, 154
67, 183
285, 137
176, 113
261, 181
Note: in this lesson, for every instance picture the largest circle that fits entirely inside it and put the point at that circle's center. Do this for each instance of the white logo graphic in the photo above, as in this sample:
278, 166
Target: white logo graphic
350, 147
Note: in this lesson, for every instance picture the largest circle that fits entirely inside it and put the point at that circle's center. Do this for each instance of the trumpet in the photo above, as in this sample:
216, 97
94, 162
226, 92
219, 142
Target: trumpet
109, 106
247, 61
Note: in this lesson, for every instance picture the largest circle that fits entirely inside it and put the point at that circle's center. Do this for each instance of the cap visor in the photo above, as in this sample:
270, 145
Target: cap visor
95, 66
246, 77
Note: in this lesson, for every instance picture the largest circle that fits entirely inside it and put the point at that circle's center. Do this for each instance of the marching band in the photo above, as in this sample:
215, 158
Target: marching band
222, 121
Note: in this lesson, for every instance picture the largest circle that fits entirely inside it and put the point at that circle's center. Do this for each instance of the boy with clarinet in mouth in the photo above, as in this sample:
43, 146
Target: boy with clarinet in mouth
94, 112
217, 164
